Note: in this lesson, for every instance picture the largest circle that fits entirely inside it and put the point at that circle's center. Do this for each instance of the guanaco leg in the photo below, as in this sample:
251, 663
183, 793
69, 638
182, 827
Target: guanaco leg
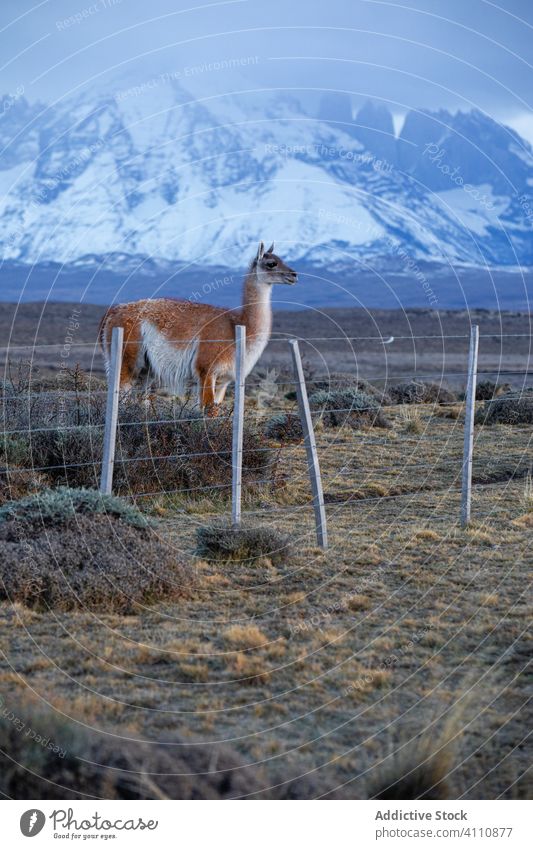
220, 391
206, 383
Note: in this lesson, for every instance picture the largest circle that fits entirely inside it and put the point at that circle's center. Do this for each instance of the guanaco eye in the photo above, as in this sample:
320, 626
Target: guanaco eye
271, 264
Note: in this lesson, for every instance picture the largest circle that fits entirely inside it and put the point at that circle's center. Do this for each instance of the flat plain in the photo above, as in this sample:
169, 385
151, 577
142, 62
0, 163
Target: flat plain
328, 673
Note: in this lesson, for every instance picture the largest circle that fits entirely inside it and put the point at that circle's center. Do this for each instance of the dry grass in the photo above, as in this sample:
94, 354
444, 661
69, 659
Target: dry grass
245, 636
249, 671
359, 602
526, 500
75, 763
412, 418
403, 602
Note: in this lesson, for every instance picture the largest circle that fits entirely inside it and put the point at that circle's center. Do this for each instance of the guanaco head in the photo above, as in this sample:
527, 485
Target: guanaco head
271, 269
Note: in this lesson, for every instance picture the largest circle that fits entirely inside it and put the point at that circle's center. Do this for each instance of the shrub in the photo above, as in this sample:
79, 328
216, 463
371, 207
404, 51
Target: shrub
14, 450
59, 505
222, 541
511, 410
70, 457
412, 777
45, 755
526, 500
284, 427
338, 380
16, 483
347, 406
416, 392
487, 389
70, 549
168, 446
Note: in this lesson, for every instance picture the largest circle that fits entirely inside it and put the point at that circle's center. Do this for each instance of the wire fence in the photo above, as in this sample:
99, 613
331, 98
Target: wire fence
459, 457
283, 339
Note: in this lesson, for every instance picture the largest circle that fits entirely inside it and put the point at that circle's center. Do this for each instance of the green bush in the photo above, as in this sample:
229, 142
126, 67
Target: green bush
338, 380
14, 451
61, 504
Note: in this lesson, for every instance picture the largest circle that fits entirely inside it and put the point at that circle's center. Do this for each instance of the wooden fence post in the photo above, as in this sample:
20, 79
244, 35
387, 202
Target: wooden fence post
310, 446
470, 409
238, 425
111, 415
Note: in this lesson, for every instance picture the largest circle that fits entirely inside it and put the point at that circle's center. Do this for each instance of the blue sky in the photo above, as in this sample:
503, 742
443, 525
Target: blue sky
418, 53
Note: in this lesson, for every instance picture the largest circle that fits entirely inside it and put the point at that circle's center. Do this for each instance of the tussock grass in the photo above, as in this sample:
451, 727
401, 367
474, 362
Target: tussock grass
222, 541
412, 419
421, 768
527, 496
251, 671
245, 636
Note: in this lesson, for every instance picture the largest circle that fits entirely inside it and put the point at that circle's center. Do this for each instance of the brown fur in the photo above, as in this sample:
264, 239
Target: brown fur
181, 322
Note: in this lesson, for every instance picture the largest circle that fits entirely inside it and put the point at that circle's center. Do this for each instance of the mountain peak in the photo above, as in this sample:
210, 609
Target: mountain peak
336, 107
469, 144
153, 171
374, 128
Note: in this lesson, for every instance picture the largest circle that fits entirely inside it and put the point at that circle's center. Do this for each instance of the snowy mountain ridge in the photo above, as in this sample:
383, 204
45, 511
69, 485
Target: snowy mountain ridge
162, 175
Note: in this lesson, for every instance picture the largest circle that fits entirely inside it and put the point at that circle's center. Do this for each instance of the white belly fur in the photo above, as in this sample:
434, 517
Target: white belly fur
173, 366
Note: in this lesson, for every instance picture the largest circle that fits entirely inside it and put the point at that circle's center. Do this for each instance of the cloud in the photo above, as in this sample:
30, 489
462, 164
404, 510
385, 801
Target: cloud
448, 53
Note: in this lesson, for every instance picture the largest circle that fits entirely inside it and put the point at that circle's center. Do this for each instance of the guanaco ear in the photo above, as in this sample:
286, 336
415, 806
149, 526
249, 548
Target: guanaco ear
260, 251
271, 249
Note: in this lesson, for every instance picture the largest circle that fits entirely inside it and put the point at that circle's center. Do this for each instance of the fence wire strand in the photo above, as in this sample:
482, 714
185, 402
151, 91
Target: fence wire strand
78, 396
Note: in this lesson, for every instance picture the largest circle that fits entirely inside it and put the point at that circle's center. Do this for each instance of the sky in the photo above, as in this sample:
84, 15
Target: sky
454, 54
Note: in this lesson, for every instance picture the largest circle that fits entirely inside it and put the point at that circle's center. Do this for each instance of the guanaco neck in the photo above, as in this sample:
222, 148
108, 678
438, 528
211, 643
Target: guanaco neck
256, 310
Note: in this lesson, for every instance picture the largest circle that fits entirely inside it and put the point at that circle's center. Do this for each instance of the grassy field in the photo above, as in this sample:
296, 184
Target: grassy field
398, 655
326, 673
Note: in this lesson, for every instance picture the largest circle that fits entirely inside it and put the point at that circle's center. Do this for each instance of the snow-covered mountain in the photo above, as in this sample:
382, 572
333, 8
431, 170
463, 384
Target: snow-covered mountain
153, 171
